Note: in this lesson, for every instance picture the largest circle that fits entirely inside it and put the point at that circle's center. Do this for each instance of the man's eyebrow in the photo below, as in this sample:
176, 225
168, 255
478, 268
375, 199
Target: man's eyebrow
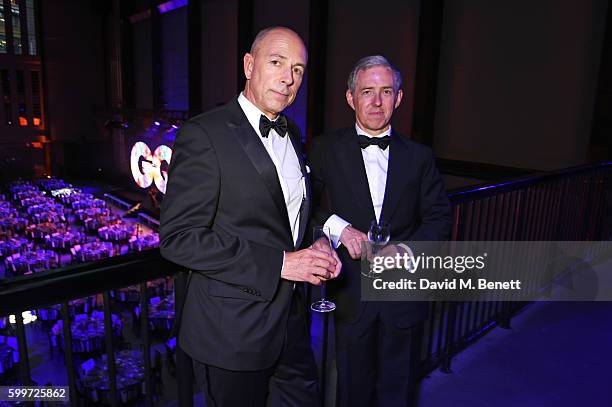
372, 87
281, 56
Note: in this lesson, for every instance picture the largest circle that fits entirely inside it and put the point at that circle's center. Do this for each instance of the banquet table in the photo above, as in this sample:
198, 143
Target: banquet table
13, 245
117, 232
76, 306
13, 224
53, 184
88, 203
83, 214
16, 187
65, 240
87, 333
144, 242
96, 222
161, 313
6, 358
34, 209
5, 207
71, 195
21, 195
157, 287
31, 261
36, 200
129, 365
93, 251
41, 230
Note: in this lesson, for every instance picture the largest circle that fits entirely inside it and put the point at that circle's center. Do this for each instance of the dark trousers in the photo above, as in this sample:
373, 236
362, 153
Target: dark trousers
292, 381
377, 361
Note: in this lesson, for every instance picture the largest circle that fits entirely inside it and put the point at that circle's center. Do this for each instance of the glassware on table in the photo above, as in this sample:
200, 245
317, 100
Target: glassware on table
378, 236
323, 305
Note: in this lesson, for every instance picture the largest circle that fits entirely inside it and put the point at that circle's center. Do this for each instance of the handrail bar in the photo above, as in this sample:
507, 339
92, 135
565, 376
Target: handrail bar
484, 190
80, 280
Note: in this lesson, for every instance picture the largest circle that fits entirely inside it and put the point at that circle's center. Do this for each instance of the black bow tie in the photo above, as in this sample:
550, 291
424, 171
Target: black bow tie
280, 125
382, 142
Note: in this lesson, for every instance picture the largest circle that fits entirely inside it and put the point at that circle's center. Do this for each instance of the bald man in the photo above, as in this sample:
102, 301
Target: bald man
235, 213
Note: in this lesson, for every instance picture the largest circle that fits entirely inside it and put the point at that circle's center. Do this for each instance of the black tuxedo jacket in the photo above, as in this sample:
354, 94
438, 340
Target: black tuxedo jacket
415, 205
224, 217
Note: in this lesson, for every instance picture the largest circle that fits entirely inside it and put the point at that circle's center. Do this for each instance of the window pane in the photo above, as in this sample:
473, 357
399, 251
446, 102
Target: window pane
31, 18
6, 96
2, 30
36, 107
16, 27
23, 120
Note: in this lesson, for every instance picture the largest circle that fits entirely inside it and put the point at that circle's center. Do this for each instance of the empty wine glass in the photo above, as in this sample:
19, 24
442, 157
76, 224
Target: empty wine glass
323, 305
378, 236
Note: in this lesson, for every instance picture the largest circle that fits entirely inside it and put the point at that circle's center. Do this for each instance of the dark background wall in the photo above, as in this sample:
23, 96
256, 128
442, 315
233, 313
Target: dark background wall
219, 57
73, 39
357, 29
174, 63
142, 63
74, 63
297, 18
514, 83
517, 81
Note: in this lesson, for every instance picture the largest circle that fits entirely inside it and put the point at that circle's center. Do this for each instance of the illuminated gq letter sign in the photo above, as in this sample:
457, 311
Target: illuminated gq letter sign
150, 167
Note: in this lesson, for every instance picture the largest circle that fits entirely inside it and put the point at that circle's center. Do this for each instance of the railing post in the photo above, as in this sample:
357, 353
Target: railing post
506, 316
110, 354
144, 335
184, 366
24, 363
445, 364
68, 359
324, 356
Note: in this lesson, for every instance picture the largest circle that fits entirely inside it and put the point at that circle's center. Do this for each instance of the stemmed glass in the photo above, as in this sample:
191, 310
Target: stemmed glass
378, 236
323, 305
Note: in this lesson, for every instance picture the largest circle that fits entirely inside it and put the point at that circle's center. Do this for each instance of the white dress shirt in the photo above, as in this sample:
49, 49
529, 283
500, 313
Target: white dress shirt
286, 162
376, 162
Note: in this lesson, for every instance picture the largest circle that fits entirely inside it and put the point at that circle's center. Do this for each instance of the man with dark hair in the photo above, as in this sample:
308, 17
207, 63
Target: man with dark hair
370, 173
235, 211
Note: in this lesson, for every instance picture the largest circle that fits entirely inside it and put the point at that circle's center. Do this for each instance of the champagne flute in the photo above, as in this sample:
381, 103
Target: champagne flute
323, 305
378, 235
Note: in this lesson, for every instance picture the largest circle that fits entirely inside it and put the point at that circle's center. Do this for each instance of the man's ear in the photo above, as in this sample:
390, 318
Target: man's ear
400, 93
248, 65
349, 99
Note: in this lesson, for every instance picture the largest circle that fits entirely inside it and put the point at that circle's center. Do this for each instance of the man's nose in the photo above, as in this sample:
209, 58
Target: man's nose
377, 99
287, 77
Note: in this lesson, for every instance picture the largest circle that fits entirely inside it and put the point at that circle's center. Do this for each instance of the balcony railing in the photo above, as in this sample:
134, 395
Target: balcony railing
572, 204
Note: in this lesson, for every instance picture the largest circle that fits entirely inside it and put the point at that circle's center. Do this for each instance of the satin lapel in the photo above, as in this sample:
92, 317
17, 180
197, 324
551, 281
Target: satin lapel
399, 162
350, 163
259, 157
294, 136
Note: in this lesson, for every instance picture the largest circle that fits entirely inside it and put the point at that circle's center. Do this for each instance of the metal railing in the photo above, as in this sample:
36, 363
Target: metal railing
565, 205
101, 278
542, 207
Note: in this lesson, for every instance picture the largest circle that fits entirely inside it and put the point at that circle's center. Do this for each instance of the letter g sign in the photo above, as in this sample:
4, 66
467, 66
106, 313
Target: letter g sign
147, 167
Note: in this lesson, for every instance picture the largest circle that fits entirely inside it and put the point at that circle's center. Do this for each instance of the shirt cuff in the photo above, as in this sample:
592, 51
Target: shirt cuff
283, 266
336, 225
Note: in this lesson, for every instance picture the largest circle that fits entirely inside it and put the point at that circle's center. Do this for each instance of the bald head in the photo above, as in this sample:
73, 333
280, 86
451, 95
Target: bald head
274, 69
261, 36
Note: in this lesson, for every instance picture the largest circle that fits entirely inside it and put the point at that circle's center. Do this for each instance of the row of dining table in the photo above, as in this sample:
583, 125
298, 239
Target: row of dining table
51, 224
87, 332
